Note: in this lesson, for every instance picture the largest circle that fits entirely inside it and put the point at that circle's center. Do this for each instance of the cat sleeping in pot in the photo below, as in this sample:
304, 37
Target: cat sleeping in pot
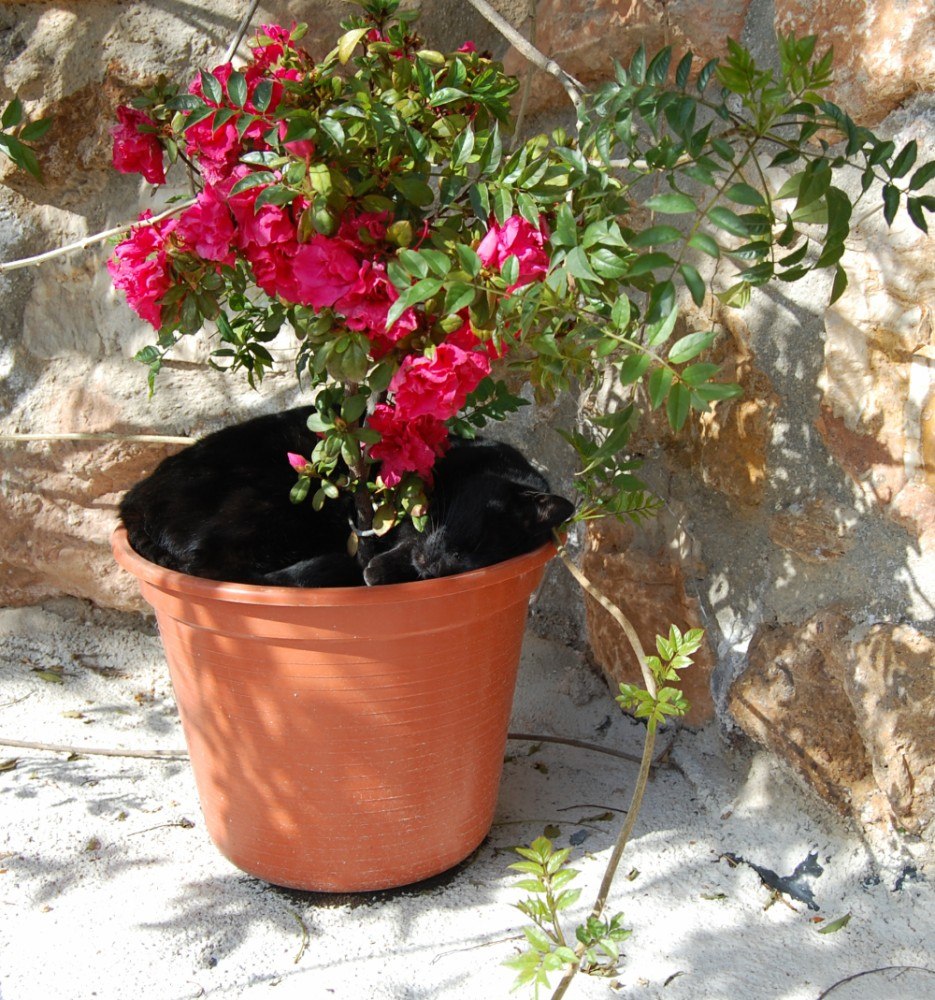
221, 509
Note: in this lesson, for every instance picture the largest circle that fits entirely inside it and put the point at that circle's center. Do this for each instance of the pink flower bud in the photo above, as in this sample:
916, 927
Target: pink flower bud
298, 462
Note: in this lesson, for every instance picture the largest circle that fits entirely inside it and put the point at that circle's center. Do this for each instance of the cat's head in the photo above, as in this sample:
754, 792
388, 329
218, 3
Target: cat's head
494, 520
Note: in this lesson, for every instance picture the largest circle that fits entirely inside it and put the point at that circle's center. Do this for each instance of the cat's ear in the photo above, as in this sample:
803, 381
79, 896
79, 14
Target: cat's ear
550, 510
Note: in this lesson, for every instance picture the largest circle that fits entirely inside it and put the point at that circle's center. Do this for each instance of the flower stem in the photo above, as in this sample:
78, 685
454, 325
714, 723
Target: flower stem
89, 241
573, 88
608, 605
636, 800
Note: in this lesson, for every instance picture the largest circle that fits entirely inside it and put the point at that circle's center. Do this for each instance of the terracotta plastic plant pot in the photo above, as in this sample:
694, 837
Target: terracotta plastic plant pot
344, 739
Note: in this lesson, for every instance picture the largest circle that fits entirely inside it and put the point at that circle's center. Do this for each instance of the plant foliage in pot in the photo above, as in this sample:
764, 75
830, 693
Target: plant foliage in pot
375, 206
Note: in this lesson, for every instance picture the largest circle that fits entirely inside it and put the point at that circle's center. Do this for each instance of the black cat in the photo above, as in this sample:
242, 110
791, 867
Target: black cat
220, 509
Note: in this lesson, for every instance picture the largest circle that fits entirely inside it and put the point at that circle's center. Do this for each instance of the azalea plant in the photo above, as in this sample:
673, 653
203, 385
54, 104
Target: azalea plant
367, 202
374, 206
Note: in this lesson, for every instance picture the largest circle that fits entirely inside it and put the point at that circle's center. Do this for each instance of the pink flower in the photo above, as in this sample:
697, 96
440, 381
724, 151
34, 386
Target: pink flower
303, 148
517, 237
277, 33
365, 304
268, 226
298, 462
364, 230
438, 386
274, 269
468, 47
207, 227
383, 341
264, 55
139, 267
137, 152
465, 338
407, 445
215, 150
325, 270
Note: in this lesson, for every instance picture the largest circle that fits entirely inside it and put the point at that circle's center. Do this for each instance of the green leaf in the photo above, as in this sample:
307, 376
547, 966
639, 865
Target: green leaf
922, 176
276, 194
658, 69
263, 94
683, 70
705, 75
678, 405
414, 190
706, 244
538, 939
638, 65
694, 281
212, 88
469, 259
566, 229
608, 264
418, 292
253, 180
890, 202
509, 270
348, 42
649, 262
200, 114
334, 130
353, 408
445, 95
529, 884
414, 263
502, 205
694, 375
835, 925
914, 206
237, 89
839, 285
568, 898
462, 148
620, 314
673, 203
659, 383
658, 332
300, 491
690, 346
656, 236
577, 264
713, 392
744, 194
790, 189
906, 159
815, 182
21, 155
727, 220
319, 176
492, 153
35, 130
12, 114
459, 296
633, 368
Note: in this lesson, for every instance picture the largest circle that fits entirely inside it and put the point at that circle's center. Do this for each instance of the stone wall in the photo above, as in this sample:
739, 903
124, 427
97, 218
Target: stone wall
799, 527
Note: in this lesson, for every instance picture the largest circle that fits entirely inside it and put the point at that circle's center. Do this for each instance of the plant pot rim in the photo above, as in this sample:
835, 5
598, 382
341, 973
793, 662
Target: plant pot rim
249, 593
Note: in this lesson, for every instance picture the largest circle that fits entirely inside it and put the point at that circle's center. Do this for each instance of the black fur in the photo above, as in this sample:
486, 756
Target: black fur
220, 509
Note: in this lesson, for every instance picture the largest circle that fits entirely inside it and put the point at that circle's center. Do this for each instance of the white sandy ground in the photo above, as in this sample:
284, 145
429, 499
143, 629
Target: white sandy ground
109, 887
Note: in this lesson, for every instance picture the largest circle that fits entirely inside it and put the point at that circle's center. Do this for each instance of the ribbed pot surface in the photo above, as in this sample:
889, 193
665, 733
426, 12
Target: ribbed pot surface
344, 739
